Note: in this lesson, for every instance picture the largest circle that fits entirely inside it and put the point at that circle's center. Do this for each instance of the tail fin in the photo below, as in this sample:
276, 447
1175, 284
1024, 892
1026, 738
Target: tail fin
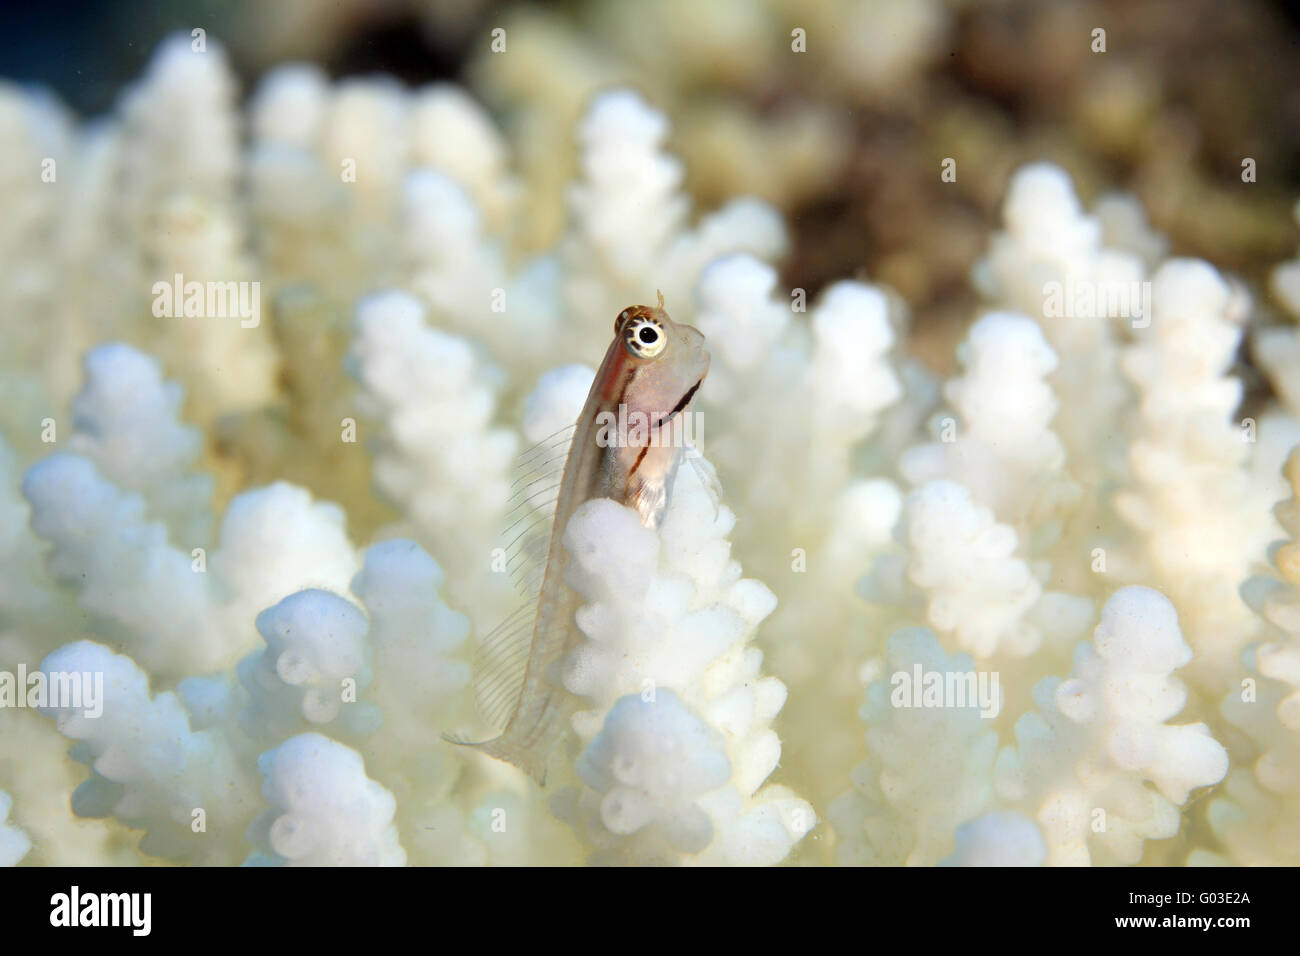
530, 761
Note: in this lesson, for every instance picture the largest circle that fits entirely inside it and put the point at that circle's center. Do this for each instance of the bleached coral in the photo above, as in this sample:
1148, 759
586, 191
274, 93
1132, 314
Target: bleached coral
828, 387
173, 610
1202, 522
626, 237
127, 421
181, 764
327, 812
435, 399
1257, 818
14, 843
450, 131
315, 660
650, 764
785, 385
1003, 448
1050, 264
1098, 767
874, 47
999, 838
1276, 348
975, 585
413, 635
679, 716
1286, 280
782, 385
169, 500
931, 765
177, 162
150, 767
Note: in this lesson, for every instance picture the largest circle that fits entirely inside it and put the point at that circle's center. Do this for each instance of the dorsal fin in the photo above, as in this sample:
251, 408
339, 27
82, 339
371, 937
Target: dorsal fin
502, 655
530, 510
500, 663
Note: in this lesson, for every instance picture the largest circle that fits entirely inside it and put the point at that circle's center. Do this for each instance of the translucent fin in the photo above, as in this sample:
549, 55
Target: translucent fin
527, 735
503, 653
502, 660
530, 762
649, 496
708, 476
530, 511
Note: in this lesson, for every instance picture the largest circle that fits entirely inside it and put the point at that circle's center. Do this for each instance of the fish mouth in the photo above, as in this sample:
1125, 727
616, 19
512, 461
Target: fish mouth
682, 403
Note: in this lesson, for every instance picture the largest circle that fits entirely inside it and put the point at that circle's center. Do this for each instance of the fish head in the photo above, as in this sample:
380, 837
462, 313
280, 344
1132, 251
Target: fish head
668, 361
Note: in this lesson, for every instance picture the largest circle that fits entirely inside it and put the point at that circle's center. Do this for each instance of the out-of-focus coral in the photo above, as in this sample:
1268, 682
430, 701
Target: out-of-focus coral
1050, 263
999, 838
1002, 447
1082, 764
1256, 817
975, 586
1276, 348
931, 768
270, 526
150, 767
1201, 519
436, 455
14, 843
325, 810
1286, 280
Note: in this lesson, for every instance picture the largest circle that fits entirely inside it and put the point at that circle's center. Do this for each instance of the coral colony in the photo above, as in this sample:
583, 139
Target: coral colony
1043, 612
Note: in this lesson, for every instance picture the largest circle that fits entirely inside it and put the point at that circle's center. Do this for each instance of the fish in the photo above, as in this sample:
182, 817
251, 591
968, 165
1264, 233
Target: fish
649, 378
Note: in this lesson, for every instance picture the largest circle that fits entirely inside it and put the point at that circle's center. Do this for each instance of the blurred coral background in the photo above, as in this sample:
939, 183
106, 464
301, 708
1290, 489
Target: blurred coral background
847, 148
615, 149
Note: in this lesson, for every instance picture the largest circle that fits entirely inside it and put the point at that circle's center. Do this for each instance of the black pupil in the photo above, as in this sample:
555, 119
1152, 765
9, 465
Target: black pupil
648, 335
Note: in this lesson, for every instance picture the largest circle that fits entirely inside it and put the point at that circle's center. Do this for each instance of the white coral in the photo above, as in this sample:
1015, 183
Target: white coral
349, 187
127, 420
998, 838
931, 767
1201, 521
650, 763
315, 662
626, 238
453, 133
434, 399
125, 570
150, 767
1100, 769
667, 617
1256, 820
1050, 263
1285, 279
14, 843
326, 811
1003, 448
975, 584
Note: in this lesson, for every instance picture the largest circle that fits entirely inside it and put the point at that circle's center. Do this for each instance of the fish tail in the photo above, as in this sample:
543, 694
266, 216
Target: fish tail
527, 759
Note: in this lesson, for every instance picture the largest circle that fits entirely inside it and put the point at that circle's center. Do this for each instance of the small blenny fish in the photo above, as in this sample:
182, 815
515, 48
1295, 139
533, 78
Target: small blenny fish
651, 373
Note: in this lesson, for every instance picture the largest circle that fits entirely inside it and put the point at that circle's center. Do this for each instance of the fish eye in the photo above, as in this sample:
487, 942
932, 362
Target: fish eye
644, 338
